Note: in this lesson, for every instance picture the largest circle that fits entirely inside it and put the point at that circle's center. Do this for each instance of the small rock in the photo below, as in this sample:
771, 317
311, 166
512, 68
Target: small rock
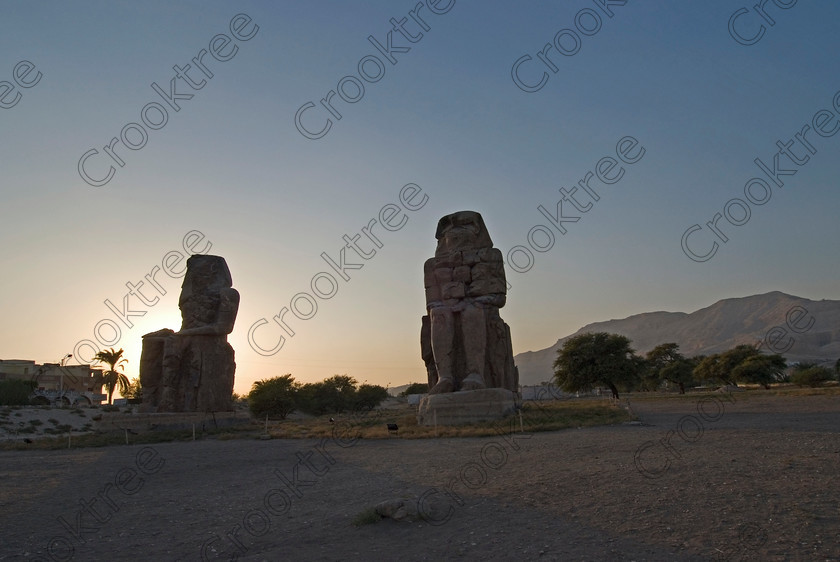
398, 510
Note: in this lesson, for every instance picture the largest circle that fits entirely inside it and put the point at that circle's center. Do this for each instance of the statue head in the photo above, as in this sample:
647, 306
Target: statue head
204, 281
460, 231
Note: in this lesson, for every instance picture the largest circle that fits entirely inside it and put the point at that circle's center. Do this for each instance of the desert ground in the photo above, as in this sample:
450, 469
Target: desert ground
743, 476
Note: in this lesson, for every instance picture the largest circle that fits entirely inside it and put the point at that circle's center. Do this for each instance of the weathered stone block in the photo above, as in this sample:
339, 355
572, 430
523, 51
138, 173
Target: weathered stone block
462, 274
453, 290
466, 406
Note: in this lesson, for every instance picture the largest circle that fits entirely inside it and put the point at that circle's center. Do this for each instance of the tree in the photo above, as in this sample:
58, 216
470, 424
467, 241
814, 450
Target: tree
416, 388
679, 372
760, 369
134, 390
16, 392
810, 375
112, 378
648, 376
341, 393
719, 367
306, 400
591, 359
665, 363
275, 397
369, 396
663, 354
707, 368
729, 361
333, 395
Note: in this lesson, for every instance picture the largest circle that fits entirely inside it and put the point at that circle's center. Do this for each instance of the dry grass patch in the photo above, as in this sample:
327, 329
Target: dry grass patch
744, 392
545, 416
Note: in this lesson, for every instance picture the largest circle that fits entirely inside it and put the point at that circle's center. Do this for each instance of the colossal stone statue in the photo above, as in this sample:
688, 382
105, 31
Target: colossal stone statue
192, 370
464, 342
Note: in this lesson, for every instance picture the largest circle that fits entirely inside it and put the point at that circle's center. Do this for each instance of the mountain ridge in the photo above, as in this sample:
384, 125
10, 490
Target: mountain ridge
715, 328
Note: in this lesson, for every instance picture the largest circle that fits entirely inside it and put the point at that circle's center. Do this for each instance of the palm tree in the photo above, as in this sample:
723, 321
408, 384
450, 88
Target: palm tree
134, 389
113, 378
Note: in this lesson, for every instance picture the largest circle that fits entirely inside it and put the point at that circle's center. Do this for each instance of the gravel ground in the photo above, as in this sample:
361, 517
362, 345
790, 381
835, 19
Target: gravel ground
742, 478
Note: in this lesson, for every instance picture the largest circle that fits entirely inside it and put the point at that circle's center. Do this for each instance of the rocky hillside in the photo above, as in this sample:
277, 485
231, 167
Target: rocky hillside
719, 327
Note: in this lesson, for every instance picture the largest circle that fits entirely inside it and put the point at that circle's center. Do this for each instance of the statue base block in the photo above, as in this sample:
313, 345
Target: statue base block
466, 406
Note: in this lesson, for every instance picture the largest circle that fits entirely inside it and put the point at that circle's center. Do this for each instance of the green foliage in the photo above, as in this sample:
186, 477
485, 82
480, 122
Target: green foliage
306, 398
719, 367
810, 375
134, 391
648, 378
279, 396
743, 363
369, 396
366, 517
343, 389
680, 372
589, 360
273, 397
708, 368
760, 369
665, 363
330, 396
416, 388
663, 354
16, 392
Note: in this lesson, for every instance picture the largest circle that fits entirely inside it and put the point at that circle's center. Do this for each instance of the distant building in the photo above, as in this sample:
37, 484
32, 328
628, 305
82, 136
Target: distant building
54, 380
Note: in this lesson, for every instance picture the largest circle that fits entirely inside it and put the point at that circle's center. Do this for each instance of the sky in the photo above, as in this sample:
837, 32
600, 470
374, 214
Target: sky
677, 106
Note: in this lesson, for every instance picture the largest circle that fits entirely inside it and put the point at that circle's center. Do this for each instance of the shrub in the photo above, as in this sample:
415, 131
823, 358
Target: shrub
366, 517
16, 392
416, 388
330, 396
369, 396
811, 376
273, 397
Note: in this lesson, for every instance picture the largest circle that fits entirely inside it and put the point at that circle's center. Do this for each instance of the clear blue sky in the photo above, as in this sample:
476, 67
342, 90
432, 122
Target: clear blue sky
448, 117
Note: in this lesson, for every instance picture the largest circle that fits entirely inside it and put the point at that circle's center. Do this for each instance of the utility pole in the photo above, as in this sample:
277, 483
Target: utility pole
61, 376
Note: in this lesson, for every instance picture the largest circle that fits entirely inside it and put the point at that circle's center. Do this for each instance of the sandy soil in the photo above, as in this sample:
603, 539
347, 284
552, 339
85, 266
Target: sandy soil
16, 422
753, 479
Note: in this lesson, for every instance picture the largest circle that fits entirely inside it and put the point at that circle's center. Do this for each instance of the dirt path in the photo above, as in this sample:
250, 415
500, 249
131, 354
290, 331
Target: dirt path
755, 480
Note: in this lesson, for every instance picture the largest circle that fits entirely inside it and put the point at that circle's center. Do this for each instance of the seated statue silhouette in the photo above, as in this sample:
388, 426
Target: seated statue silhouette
192, 370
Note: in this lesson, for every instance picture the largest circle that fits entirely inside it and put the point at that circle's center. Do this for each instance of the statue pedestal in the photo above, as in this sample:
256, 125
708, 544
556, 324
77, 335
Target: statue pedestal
186, 373
466, 406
